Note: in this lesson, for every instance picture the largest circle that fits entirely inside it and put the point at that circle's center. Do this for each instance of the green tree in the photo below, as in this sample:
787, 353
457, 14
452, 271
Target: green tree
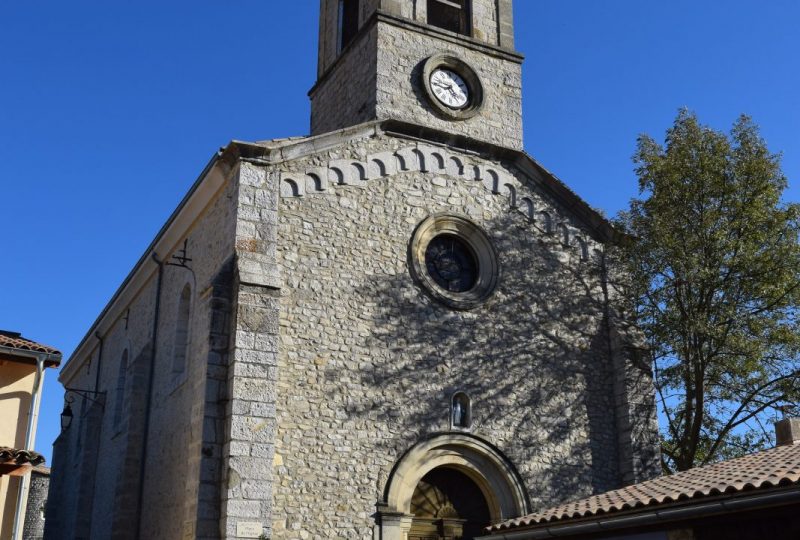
715, 262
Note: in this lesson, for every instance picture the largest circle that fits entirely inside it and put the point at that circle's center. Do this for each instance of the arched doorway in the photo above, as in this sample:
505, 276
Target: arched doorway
448, 505
446, 465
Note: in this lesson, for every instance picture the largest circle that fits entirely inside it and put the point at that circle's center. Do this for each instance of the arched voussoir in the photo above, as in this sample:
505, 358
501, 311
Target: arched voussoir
510, 191
317, 180
583, 247
526, 207
291, 187
433, 159
348, 172
455, 166
490, 179
484, 464
382, 164
563, 233
546, 222
409, 159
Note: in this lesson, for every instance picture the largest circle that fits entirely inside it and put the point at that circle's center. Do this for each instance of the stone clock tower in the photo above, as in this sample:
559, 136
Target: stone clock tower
400, 327
376, 58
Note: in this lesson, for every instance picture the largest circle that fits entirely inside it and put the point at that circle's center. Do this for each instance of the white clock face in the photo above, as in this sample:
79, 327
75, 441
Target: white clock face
449, 88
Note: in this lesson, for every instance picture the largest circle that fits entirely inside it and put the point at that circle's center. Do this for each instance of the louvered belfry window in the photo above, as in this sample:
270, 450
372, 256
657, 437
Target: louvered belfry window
348, 22
453, 15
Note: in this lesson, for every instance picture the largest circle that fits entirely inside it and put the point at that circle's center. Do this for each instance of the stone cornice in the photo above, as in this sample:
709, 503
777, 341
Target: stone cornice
275, 153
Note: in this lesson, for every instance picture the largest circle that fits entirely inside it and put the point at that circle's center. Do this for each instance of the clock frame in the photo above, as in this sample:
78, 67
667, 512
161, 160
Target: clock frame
447, 62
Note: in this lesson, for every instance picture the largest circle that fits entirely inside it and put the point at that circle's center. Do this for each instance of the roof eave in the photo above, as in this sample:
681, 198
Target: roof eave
25, 356
653, 515
226, 155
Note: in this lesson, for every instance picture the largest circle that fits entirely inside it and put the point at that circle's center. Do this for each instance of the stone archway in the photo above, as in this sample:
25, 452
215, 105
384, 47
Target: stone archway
447, 504
462, 458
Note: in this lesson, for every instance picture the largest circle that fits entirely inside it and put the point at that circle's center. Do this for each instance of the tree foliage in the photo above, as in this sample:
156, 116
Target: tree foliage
716, 276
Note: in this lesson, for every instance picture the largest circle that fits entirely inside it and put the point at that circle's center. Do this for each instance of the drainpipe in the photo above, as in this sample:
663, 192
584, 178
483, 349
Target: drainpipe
148, 399
33, 418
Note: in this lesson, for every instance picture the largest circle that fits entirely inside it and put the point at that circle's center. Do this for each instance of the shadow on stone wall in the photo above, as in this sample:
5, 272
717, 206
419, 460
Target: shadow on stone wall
534, 360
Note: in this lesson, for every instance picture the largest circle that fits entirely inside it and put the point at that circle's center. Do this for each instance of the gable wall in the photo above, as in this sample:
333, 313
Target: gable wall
367, 362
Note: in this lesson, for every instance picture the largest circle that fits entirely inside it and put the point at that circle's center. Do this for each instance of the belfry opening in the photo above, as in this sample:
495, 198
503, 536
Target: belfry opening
447, 505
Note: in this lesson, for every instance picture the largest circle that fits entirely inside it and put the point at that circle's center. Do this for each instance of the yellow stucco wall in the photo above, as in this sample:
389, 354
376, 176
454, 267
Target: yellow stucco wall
16, 385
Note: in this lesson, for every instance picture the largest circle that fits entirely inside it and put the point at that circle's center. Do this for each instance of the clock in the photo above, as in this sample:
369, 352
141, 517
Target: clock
452, 88
449, 88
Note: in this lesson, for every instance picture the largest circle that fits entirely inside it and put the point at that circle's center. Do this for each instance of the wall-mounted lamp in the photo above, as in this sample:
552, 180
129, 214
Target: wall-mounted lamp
66, 417
67, 414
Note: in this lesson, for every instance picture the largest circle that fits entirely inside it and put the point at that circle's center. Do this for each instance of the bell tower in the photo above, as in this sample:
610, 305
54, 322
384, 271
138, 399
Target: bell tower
444, 64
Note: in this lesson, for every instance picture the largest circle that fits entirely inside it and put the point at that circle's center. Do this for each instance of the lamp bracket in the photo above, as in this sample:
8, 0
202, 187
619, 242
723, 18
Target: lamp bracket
99, 399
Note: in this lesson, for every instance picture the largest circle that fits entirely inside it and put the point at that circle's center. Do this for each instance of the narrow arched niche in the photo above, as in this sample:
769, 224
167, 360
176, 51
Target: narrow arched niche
179, 351
460, 411
119, 394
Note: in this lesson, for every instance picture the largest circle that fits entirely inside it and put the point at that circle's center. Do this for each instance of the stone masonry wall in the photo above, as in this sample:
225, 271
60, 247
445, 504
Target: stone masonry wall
637, 423
346, 96
367, 362
37, 499
400, 91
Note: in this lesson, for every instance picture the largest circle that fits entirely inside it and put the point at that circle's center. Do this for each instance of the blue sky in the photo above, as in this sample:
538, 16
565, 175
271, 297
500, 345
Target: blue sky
110, 110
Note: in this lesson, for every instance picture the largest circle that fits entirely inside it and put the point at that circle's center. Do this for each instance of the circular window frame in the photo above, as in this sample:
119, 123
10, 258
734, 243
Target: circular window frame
478, 241
465, 71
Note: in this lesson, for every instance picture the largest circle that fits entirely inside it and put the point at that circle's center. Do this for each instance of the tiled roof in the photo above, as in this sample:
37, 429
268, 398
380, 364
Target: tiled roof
15, 341
775, 467
20, 457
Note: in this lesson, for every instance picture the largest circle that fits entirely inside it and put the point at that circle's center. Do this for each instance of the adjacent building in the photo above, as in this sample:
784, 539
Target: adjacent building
22, 368
33, 528
752, 497
399, 327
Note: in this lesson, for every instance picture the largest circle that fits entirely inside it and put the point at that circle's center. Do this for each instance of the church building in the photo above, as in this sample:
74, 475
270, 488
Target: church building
400, 327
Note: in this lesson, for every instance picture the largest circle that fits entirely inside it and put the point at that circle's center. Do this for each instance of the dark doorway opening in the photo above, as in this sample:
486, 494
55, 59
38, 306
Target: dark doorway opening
448, 505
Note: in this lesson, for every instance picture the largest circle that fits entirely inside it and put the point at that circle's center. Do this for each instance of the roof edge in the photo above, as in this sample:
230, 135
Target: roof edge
651, 516
555, 187
290, 149
24, 356
226, 155
550, 182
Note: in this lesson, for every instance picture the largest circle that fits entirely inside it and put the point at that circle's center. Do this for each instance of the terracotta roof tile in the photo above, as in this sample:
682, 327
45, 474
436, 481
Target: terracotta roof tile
20, 457
14, 340
770, 468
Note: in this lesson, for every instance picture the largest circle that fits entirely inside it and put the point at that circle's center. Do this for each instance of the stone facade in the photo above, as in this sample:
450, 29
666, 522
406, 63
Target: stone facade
367, 362
37, 500
319, 372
